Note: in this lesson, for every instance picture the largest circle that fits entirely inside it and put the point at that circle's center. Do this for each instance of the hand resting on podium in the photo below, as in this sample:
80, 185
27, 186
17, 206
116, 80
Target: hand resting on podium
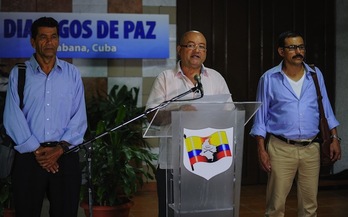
163, 117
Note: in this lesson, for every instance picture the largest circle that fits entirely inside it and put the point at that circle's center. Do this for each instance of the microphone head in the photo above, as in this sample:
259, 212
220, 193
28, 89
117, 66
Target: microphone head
197, 78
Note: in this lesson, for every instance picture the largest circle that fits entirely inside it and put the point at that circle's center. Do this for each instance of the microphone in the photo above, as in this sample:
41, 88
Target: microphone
199, 83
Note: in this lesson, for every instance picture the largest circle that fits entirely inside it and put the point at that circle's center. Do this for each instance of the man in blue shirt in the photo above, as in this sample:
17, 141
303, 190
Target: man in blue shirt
289, 115
52, 120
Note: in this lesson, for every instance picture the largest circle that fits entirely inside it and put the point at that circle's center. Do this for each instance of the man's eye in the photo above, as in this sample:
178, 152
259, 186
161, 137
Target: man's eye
201, 47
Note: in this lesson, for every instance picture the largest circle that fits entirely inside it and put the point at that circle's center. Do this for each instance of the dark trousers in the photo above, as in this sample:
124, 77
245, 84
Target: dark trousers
161, 192
163, 176
31, 183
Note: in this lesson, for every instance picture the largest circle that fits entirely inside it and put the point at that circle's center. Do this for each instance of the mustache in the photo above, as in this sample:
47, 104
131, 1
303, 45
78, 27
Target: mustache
298, 55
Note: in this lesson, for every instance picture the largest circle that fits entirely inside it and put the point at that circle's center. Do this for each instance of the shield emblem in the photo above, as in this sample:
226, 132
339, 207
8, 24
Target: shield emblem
208, 152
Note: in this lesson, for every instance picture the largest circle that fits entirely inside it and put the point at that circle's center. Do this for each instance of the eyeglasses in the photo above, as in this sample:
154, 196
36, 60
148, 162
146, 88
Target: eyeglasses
194, 46
294, 47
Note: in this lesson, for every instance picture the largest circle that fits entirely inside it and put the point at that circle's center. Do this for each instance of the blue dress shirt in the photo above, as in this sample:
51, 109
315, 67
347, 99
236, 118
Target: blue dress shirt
283, 113
54, 106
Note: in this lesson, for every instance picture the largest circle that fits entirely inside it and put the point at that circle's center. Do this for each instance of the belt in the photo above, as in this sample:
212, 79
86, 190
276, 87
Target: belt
294, 142
49, 144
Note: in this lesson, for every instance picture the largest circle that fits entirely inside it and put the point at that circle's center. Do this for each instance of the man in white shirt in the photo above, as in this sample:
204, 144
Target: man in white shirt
173, 82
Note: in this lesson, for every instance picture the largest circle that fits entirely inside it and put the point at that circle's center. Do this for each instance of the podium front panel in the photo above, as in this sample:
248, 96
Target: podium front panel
206, 157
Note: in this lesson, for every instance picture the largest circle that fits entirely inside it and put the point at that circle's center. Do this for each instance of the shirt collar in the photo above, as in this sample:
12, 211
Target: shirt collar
35, 65
179, 71
278, 69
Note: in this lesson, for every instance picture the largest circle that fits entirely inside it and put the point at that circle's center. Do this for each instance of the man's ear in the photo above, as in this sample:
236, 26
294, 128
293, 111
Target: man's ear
281, 51
32, 42
178, 50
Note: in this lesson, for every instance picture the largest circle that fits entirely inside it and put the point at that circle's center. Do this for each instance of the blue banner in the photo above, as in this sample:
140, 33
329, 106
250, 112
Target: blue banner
89, 35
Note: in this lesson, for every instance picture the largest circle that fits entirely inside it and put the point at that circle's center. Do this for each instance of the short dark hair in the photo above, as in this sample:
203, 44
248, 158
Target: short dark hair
287, 34
43, 22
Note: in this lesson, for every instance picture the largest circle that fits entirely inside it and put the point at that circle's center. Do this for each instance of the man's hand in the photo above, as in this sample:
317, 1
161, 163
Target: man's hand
335, 150
47, 157
264, 160
187, 108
